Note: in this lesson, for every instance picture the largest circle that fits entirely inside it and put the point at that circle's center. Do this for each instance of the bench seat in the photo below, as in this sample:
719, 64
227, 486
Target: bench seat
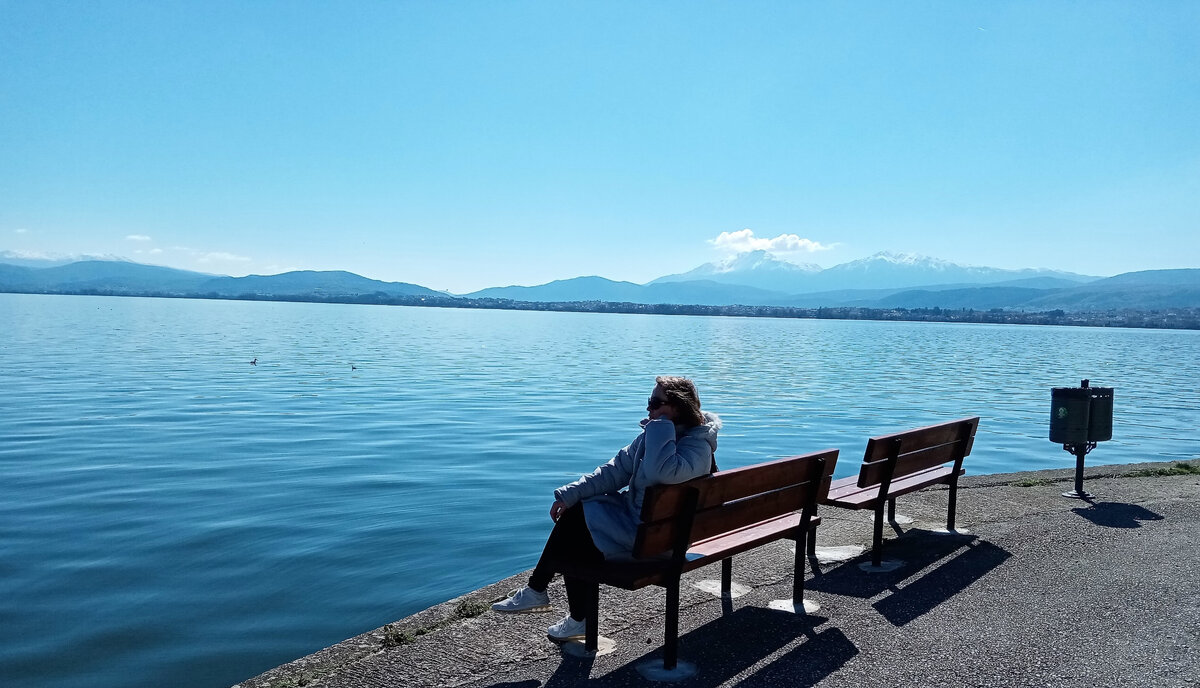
846, 493
745, 539
637, 574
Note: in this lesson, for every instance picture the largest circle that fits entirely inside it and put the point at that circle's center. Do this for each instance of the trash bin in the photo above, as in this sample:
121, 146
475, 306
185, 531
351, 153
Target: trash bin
1079, 418
1079, 415
1100, 415
1070, 408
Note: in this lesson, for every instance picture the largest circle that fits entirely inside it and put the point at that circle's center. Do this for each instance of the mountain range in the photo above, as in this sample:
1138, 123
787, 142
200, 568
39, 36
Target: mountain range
123, 277
880, 271
756, 278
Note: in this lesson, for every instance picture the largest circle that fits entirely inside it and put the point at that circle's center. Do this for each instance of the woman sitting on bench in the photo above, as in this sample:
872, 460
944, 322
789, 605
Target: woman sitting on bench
594, 521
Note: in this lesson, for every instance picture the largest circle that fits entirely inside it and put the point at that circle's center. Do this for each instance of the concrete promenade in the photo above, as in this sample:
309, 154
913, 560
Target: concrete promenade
1042, 591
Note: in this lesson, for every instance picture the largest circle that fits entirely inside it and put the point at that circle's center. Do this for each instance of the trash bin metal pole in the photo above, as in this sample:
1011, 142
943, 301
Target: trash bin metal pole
1080, 451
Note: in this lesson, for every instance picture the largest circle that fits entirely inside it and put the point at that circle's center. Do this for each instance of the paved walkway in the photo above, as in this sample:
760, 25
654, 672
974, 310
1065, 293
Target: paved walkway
1043, 591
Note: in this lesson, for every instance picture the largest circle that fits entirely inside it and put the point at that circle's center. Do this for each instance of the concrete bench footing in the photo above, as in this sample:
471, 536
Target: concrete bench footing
808, 606
576, 648
713, 587
834, 555
653, 670
884, 566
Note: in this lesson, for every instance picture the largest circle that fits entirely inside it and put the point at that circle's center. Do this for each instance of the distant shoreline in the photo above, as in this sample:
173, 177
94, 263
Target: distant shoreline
1170, 319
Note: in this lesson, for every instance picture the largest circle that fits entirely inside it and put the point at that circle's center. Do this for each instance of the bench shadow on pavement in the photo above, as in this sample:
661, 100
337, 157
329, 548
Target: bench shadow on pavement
732, 644
1117, 514
950, 563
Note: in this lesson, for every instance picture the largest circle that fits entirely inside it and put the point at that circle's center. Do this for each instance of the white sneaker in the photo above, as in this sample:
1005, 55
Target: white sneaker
524, 600
567, 629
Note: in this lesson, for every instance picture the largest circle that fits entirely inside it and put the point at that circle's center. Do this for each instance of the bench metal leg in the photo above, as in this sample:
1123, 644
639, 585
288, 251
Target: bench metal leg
727, 577
671, 637
796, 604
798, 572
877, 544
592, 623
892, 510
950, 509
671, 668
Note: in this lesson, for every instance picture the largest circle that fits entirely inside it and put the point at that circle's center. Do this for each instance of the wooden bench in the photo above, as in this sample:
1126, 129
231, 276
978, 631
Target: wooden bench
709, 519
905, 462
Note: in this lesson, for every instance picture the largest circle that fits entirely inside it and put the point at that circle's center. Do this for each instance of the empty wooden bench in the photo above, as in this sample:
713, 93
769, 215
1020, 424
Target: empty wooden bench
710, 519
904, 462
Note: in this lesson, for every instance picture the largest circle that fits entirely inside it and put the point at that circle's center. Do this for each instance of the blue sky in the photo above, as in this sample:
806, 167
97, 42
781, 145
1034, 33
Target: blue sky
470, 144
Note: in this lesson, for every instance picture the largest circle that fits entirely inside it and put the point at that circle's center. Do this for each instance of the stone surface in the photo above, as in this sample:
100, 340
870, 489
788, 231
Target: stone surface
1041, 591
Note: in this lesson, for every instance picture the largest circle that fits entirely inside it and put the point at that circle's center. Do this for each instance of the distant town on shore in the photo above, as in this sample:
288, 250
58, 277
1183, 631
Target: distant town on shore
884, 287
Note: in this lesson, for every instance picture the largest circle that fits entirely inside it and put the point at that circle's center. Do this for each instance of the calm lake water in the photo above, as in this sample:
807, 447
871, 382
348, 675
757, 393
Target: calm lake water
171, 515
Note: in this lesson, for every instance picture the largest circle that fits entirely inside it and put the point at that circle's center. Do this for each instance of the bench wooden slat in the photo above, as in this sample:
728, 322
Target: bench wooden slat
846, 492
661, 502
917, 450
751, 510
930, 435
914, 462
745, 539
738, 483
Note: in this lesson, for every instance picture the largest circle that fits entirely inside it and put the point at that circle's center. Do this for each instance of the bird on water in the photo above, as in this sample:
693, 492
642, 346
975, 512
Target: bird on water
255, 361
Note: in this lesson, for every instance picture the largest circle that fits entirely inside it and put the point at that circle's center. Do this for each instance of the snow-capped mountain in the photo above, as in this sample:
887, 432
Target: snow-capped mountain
880, 271
757, 269
899, 270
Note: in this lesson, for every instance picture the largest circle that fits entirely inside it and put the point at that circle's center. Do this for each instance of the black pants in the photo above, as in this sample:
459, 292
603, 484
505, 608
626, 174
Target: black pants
570, 540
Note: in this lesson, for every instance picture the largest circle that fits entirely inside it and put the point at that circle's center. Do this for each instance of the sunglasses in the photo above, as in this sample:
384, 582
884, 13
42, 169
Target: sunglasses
654, 402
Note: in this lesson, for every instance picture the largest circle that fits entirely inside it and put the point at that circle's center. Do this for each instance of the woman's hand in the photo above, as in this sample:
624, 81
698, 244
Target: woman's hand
556, 510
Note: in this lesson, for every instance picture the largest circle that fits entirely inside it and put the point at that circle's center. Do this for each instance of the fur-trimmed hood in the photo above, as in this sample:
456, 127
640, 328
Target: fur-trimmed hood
712, 425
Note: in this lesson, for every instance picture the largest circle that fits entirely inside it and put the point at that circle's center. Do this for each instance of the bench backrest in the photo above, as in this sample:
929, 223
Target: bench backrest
899, 454
733, 499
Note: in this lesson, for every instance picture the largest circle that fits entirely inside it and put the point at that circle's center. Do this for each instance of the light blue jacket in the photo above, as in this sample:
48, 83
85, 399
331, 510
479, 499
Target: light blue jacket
661, 454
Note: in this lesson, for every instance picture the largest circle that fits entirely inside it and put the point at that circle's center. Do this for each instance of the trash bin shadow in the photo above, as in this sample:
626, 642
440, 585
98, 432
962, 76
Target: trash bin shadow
731, 644
1117, 514
917, 549
941, 583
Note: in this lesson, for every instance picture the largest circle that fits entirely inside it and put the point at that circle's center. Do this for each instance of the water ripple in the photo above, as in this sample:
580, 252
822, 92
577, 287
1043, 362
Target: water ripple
177, 516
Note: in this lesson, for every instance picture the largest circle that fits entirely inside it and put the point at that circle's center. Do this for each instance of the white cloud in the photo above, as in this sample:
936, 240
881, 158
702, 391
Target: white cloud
21, 230
220, 257
137, 237
744, 240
